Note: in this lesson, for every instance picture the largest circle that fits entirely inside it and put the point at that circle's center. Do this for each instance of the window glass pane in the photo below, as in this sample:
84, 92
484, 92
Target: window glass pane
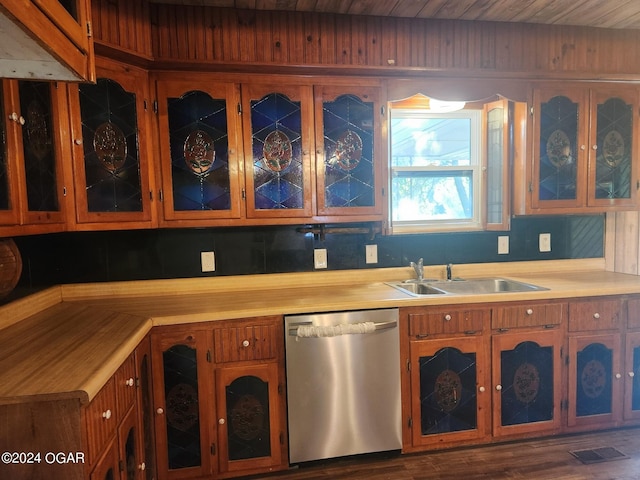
432, 196
431, 141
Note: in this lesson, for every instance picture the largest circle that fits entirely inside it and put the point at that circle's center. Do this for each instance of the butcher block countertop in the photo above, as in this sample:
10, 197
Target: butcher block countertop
67, 341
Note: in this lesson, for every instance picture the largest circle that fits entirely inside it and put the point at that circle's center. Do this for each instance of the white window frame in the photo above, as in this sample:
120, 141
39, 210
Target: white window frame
476, 168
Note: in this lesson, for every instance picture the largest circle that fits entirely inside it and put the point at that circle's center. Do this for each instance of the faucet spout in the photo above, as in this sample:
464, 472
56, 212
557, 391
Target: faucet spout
418, 268
449, 267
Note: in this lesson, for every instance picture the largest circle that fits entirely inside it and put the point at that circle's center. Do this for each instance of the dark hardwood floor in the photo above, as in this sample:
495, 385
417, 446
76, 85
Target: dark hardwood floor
540, 459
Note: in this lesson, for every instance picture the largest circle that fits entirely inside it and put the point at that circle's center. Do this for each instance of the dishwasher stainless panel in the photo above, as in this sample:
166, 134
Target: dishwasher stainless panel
343, 384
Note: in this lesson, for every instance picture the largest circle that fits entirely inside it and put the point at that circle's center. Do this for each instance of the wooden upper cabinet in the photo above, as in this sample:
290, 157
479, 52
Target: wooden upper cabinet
278, 137
34, 131
583, 148
55, 36
110, 136
200, 148
349, 166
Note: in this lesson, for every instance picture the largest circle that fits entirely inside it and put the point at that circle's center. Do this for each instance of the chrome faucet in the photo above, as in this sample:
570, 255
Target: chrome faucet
449, 267
418, 268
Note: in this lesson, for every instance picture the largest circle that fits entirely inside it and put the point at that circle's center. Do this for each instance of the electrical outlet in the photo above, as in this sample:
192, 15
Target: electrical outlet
320, 258
503, 244
371, 253
544, 242
208, 261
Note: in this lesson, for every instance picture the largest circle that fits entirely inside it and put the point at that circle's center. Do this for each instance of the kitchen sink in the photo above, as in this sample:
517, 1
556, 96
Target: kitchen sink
473, 286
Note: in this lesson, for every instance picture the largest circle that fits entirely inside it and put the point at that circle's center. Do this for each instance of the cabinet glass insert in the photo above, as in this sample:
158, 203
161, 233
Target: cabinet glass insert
594, 380
38, 146
131, 466
248, 418
5, 203
527, 384
276, 138
635, 389
448, 395
199, 152
182, 407
558, 154
614, 142
348, 151
110, 142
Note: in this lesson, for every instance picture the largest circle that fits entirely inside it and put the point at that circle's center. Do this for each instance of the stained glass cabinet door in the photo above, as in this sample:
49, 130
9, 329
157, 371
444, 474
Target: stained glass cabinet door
201, 148
560, 152
449, 390
112, 179
348, 160
595, 381
632, 376
278, 131
613, 162
527, 384
9, 202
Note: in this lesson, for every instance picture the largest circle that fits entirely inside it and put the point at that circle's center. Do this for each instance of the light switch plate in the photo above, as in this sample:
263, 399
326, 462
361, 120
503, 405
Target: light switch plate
320, 258
503, 244
208, 261
544, 242
371, 253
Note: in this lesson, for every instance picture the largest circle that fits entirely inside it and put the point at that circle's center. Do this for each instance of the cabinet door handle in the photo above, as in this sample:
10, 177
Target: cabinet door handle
632, 374
129, 382
618, 375
595, 147
481, 389
142, 467
596, 315
498, 387
221, 421
245, 343
160, 411
106, 414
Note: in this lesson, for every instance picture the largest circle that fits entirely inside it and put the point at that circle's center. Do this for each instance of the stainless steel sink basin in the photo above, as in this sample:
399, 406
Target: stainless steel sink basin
473, 286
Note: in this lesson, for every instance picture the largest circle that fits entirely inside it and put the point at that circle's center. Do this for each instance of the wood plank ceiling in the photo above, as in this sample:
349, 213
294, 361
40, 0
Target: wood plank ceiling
623, 14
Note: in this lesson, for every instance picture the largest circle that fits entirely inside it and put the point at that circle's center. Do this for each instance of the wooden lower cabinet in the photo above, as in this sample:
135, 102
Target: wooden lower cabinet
219, 399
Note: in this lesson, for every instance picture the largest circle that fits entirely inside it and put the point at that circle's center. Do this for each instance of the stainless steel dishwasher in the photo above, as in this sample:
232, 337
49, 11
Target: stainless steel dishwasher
343, 384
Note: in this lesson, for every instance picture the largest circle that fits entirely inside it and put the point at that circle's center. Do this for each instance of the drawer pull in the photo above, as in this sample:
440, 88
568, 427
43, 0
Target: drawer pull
160, 411
632, 374
245, 343
129, 382
529, 311
106, 414
596, 315
422, 335
498, 387
447, 317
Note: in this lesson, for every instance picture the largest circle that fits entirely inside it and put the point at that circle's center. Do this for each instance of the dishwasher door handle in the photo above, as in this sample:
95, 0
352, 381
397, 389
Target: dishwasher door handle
293, 327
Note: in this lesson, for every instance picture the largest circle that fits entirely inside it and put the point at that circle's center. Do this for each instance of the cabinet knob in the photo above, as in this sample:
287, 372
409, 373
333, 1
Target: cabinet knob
160, 411
221, 421
106, 414
78, 141
583, 147
618, 375
529, 311
481, 389
245, 343
595, 147
129, 382
596, 315
142, 467
498, 387
447, 317
632, 374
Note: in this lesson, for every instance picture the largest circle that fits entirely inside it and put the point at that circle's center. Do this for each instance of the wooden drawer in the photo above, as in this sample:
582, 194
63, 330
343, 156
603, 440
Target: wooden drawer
125, 386
633, 313
594, 315
101, 420
528, 315
448, 321
251, 341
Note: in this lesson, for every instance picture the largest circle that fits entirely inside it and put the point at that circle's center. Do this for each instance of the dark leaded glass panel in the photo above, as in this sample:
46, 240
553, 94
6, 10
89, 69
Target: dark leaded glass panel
527, 384
635, 395
70, 6
38, 146
147, 427
131, 466
248, 418
558, 143
111, 157
348, 144
277, 152
614, 141
5, 203
448, 395
594, 375
182, 408
199, 152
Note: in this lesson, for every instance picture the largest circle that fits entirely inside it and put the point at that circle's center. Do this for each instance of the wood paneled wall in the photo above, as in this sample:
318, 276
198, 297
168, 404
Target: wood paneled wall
228, 36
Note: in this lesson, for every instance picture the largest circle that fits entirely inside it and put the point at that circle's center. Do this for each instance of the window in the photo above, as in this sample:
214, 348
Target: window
436, 170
